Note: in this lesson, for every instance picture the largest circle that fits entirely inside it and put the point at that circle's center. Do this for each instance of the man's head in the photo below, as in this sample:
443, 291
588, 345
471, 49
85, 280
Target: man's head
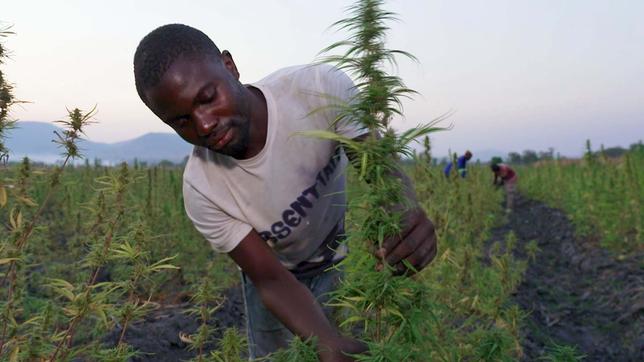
158, 50
495, 167
181, 75
468, 155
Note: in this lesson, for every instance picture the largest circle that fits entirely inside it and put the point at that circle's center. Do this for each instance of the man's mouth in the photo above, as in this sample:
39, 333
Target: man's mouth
221, 139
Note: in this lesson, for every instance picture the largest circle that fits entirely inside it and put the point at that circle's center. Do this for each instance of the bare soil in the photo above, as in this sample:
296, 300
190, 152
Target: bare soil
575, 292
157, 336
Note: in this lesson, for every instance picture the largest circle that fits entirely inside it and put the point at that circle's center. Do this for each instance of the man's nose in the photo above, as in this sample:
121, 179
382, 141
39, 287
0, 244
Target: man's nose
204, 123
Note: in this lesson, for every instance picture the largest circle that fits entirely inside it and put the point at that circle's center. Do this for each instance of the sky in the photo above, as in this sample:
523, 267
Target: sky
517, 74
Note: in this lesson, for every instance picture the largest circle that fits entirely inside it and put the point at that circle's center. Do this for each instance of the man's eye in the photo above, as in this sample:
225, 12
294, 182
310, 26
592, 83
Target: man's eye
207, 96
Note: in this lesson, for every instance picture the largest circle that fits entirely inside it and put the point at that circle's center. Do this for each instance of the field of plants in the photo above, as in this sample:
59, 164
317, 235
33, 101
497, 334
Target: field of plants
94, 256
603, 196
101, 263
92, 279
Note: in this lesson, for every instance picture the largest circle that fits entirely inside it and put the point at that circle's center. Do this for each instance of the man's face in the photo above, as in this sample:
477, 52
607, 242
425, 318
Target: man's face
203, 101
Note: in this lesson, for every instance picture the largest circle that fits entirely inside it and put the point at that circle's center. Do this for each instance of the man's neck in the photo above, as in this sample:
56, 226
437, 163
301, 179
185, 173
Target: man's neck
258, 121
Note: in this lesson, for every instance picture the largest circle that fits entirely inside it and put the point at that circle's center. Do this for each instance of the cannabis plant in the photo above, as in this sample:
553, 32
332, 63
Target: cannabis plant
231, 347
384, 305
6, 101
24, 217
427, 149
207, 301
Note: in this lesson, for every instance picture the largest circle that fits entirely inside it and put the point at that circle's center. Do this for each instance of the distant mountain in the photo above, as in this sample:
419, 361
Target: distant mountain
34, 140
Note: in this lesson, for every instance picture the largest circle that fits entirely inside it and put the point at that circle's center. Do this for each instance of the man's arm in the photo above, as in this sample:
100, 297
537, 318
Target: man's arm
289, 300
417, 243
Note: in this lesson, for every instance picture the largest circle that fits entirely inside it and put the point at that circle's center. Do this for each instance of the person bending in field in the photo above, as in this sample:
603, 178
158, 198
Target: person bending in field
270, 200
461, 165
505, 176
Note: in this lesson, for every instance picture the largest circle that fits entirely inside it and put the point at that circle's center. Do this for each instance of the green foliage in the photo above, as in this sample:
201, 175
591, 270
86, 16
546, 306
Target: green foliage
298, 351
456, 308
532, 249
449, 309
492, 346
206, 301
562, 353
427, 149
119, 353
232, 346
24, 217
381, 302
467, 297
604, 197
6, 101
57, 256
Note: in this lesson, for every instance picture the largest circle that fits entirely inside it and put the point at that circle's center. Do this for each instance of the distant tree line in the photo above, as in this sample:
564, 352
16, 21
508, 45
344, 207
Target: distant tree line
530, 156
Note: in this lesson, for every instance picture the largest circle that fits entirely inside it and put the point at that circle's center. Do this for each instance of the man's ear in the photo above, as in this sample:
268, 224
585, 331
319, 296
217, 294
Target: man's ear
229, 63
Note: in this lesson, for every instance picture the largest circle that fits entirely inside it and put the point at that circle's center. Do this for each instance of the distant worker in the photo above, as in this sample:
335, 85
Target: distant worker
505, 176
461, 165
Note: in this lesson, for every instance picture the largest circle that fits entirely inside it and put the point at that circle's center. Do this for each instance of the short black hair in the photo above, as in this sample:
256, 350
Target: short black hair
495, 167
161, 47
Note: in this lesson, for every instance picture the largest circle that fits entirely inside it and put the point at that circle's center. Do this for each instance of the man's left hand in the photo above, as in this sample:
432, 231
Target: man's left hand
416, 244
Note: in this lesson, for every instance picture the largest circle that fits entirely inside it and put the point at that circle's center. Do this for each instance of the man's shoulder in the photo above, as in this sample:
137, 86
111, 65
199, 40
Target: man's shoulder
304, 74
191, 170
302, 69
193, 173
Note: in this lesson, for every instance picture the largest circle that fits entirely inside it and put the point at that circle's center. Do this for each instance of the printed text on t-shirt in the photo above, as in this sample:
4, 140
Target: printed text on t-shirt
292, 216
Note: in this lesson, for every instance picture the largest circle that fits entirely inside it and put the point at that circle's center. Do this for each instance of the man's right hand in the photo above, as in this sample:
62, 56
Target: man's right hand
339, 350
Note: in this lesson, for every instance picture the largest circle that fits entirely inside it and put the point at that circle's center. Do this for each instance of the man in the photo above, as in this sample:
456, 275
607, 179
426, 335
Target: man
505, 176
271, 200
461, 165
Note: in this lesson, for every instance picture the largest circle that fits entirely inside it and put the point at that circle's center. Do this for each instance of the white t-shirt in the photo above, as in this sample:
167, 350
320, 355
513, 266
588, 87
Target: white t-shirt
292, 191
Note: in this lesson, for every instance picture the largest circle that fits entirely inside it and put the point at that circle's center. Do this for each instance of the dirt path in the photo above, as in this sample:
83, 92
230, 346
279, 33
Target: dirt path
575, 292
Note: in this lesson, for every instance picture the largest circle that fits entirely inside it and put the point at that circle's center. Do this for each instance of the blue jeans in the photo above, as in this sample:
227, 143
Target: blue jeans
266, 334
